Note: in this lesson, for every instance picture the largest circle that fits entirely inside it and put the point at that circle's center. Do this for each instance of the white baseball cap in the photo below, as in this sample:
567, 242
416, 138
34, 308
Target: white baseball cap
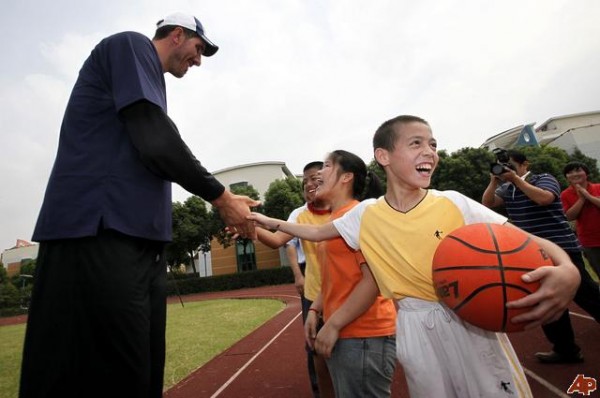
192, 23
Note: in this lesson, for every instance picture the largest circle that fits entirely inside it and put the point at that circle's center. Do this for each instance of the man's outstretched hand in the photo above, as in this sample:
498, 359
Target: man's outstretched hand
234, 210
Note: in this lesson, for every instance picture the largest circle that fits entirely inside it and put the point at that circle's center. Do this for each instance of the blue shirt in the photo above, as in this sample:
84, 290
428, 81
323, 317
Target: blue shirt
98, 180
547, 222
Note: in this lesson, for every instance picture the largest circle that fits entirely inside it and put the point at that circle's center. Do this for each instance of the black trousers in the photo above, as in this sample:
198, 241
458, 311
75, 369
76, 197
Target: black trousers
560, 333
312, 373
96, 326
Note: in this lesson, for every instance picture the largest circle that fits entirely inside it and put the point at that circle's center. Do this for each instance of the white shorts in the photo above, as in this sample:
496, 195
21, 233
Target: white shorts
443, 356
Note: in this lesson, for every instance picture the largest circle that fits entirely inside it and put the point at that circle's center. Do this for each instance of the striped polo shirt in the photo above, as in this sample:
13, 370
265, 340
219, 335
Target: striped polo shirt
547, 222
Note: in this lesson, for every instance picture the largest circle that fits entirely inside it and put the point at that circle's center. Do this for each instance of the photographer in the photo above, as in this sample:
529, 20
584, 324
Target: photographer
532, 202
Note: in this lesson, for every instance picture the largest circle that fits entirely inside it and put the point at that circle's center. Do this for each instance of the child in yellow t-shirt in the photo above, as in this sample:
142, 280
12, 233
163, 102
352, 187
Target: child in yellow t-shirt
442, 356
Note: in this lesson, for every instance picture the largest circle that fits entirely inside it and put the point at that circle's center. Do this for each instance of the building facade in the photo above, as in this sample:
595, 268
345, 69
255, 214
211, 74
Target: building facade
13, 258
569, 132
259, 175
246, 255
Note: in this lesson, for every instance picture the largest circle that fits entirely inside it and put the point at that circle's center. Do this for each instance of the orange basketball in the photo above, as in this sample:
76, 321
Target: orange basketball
477, 269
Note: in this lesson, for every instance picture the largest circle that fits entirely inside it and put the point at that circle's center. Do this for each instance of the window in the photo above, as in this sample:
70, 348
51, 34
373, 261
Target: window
236, 185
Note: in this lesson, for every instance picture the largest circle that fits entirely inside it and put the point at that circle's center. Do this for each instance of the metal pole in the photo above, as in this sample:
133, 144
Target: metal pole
176, 287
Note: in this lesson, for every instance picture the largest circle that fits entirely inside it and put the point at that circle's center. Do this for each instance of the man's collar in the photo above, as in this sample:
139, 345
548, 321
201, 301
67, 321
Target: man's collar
524, 176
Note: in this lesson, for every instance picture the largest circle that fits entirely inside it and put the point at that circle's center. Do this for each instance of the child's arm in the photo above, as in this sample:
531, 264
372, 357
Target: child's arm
273, 240
312, 321
315, 233
360, 300
559, 284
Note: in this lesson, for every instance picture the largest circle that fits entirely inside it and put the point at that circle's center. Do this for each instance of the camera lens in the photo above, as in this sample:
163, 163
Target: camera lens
497, 169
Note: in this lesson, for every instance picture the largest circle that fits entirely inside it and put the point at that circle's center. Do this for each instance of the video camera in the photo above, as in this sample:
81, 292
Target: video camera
502, 164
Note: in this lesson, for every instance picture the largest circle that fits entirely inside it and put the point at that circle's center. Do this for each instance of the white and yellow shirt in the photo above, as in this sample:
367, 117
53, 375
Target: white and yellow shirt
399, 247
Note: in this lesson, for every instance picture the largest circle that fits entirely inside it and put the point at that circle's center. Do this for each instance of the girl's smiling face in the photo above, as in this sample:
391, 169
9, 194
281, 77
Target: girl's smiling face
328, 177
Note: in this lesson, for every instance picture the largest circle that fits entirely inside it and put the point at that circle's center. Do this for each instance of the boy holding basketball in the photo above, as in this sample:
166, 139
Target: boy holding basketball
442, 356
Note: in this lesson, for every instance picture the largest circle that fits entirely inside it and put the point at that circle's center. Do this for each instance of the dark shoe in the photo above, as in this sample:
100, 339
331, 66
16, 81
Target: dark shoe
555, 357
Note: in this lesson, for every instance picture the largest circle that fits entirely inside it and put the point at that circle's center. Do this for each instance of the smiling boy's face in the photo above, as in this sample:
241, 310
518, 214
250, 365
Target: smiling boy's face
310, 181
414, 158
577, 176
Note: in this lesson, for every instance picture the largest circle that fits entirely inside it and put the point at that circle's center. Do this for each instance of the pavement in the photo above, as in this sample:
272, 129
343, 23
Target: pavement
271, 362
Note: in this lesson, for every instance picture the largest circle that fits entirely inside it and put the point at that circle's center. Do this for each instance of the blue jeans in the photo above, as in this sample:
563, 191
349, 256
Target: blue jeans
363, 367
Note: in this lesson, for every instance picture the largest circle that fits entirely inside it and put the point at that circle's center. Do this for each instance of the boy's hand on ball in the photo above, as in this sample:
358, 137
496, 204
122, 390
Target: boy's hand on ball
558, 287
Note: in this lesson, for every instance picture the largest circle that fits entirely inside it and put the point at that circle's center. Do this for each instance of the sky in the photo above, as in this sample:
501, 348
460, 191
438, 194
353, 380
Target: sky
296, 79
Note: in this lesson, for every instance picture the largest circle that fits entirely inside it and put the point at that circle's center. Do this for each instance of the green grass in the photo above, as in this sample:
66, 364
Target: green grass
196, 333
11, 345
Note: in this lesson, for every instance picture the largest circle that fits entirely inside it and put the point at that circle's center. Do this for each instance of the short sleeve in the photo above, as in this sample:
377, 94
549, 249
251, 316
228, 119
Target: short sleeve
348, 226
472, 211
134, 70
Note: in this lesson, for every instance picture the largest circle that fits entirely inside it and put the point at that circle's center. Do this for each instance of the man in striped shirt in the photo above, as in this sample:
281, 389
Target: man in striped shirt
532, 202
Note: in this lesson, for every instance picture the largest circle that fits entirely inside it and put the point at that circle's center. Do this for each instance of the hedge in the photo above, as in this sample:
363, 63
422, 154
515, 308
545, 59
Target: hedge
192, 283
11, 300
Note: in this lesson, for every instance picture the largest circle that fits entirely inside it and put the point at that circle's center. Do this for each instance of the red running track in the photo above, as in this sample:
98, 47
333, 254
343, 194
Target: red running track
271, 361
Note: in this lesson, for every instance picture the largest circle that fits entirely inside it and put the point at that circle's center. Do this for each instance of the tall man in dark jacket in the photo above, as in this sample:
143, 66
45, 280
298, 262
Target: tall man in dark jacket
96, 326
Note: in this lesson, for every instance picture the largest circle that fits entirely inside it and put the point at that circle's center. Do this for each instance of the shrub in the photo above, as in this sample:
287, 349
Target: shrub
10, 300
194, 284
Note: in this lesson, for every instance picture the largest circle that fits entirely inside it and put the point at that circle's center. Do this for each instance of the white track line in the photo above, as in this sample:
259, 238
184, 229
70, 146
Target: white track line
581, 315
528, 372
546, 384
232, 378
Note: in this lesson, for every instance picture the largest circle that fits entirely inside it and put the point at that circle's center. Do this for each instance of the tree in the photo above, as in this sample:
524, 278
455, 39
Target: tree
466, 171
283, 196
591, 163
547, 159
192, 232
27, 267
374, 167
176, 252
218, 226
3, 274
9, 296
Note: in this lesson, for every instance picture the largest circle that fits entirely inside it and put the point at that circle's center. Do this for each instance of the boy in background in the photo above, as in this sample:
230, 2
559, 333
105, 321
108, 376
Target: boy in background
581, 202
307, 275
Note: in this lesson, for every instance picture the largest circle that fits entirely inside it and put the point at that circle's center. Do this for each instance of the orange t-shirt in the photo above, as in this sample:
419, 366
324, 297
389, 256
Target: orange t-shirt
340, 273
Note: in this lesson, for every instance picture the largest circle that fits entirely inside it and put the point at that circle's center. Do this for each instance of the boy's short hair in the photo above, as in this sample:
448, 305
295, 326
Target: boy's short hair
316, 164
574, 166
386, 135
